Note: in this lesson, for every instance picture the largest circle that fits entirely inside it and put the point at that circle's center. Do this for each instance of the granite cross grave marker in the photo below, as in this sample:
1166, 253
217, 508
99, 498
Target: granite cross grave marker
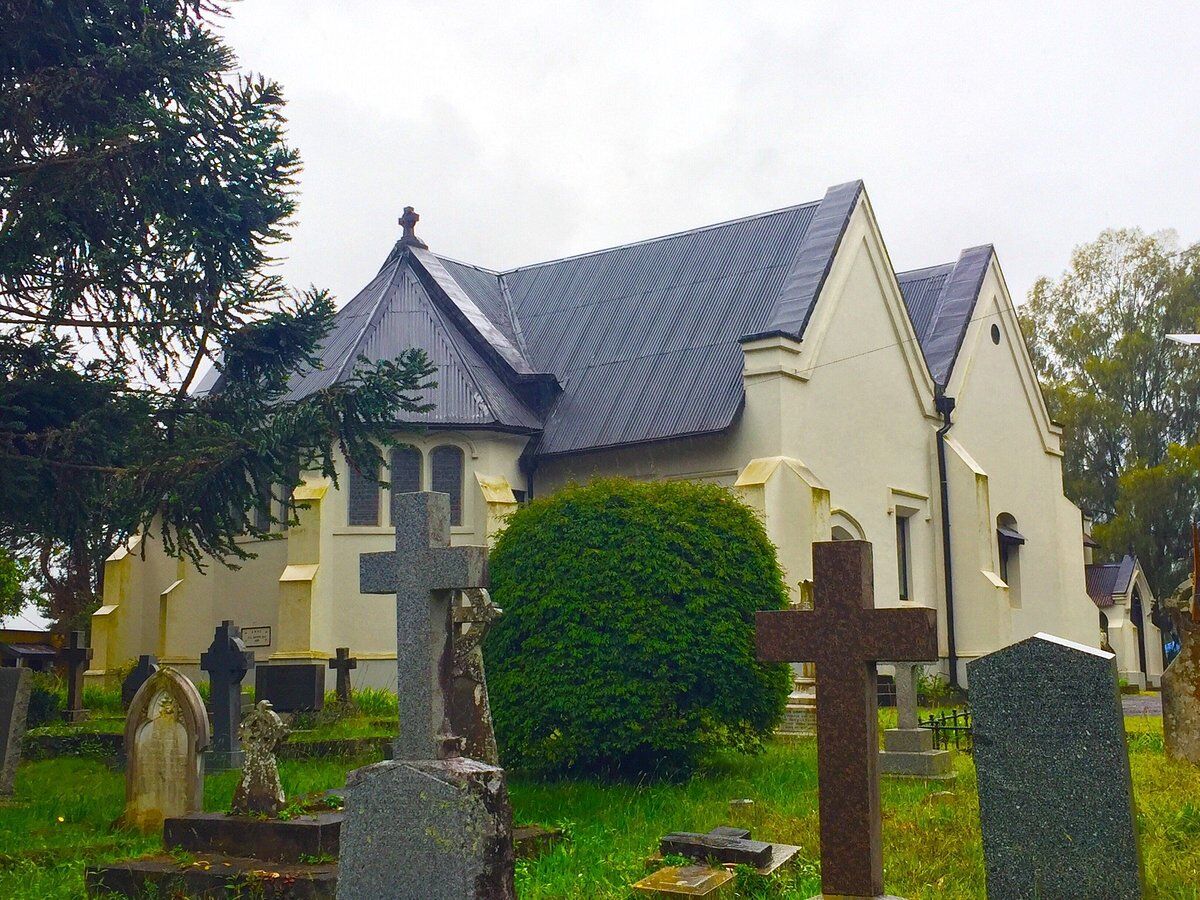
1055, 795
343, 663
14, 707
75, 656
430, 823
226, 661
846, 636
165, 734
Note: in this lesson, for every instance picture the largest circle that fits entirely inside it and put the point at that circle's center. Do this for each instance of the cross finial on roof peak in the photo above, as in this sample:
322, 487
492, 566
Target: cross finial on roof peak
408, 222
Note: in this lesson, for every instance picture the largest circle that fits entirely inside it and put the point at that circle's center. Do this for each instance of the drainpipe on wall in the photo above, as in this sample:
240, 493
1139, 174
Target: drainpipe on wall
945, 406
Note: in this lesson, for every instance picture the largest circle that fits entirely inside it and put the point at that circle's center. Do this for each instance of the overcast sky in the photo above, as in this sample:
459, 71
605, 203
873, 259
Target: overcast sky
541, 130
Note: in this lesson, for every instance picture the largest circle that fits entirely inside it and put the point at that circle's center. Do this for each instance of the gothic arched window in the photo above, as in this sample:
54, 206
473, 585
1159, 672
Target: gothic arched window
405, 473
362, 496
447, 464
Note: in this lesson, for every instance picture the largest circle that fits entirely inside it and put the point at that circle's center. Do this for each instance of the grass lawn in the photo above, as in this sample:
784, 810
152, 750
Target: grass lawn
61, 819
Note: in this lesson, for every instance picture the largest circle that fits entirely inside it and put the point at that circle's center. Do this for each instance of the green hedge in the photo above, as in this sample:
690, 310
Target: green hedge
626, 645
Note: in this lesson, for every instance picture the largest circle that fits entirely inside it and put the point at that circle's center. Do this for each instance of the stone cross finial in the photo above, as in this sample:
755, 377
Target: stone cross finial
76, 655
408, 222
846, 636
423, 572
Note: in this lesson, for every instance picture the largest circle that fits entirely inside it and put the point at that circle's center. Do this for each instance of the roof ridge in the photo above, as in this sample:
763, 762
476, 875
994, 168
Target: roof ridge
651, 240
907, 273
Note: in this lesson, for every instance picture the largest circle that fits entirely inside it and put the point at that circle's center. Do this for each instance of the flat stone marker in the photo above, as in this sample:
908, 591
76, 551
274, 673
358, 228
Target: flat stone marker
846, 636
76, 656
146, 666
226, 661
165, 734
1055, 795
429, 824
908, 750
723, 845
14, 707
343, 663
687, 881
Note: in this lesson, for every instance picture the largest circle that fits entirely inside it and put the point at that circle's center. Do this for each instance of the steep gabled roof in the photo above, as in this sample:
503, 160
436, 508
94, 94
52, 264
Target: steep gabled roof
940, 301
1105, 581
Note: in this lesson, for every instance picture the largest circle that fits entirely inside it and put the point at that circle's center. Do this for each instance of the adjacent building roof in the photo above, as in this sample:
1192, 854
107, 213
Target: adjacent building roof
1108, 580
940, 301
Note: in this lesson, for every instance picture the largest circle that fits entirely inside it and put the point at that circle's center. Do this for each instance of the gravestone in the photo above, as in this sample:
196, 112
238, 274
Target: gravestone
722, 844
146, 666
1055, 795
260, 792
908, 749
14, 708
75, 656
291, 687
712, 883
343, 663
846, 636
226, 661
1181, 680
468, 706
165, 734
430, 823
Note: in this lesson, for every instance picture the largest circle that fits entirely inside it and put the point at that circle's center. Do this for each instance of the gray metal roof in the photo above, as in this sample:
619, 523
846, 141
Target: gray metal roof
940, 301
1105, 581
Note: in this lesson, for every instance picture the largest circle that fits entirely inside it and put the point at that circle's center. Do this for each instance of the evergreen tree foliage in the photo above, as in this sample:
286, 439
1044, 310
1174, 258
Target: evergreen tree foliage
1128, 398
626, 647
143, 185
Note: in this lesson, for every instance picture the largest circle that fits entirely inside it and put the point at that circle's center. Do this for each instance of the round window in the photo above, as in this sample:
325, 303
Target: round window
995, 334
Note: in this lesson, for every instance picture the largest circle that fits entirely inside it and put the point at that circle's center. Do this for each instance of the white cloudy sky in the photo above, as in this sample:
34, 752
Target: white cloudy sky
534, 130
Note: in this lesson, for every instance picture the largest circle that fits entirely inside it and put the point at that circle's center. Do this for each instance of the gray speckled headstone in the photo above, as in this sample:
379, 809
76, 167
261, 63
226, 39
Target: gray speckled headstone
14, 707
1055, 793
436, 829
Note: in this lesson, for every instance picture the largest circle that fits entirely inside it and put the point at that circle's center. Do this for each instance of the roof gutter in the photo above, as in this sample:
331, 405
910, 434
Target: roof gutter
945, 406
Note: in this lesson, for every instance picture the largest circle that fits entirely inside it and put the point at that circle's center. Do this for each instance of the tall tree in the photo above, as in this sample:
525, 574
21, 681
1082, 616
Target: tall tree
1128, 398
143, 185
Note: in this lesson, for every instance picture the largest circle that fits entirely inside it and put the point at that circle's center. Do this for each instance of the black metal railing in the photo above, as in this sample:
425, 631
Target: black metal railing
951, 729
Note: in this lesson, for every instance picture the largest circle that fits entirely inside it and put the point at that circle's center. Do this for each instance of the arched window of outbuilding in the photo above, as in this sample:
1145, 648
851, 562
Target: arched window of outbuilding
1010, 541
405, 473
447, 465
362, 496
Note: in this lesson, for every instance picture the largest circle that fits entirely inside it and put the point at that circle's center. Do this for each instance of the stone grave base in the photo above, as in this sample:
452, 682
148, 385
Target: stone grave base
427, 830
212, 876
273, 840
909, 753
532, 841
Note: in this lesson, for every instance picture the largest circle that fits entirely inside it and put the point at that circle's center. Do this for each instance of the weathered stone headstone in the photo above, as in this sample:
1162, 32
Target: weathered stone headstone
846, 636
165, 734
75, 656
908, 749
429, 823
14, 707
226, 661
343, 663
146, 666
1181, 680
1055, 795
469, 708
260, 792
291, 687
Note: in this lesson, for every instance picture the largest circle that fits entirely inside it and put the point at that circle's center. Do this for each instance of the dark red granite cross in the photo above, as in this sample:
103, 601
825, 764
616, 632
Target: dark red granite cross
846, 636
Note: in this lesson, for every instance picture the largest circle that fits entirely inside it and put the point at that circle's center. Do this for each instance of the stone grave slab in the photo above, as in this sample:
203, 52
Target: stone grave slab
166, 732
272, 840
908, 749
212, 876
532, 841
291, 687
1056, 804
687, 881
723, 845
14, 708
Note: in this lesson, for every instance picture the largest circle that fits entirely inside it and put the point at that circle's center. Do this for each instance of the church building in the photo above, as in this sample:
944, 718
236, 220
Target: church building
779, 354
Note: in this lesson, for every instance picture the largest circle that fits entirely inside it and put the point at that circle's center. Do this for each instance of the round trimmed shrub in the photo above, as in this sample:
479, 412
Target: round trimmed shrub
626, 647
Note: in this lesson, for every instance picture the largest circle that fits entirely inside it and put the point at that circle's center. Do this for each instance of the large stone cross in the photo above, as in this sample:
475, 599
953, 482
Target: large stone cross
343, 663
423, 572
76, 656
846, 636
226, 661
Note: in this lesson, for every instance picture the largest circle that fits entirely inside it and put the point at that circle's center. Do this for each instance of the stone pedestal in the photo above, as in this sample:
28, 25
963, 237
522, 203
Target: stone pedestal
800, 714
909, 752
427, 830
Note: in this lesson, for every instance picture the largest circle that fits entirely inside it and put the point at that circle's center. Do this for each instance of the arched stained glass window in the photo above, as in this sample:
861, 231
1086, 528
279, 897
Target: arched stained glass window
447, 464
362, 499
405, 474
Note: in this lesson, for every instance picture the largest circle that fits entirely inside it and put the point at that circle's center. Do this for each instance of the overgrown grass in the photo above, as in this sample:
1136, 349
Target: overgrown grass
931, 832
